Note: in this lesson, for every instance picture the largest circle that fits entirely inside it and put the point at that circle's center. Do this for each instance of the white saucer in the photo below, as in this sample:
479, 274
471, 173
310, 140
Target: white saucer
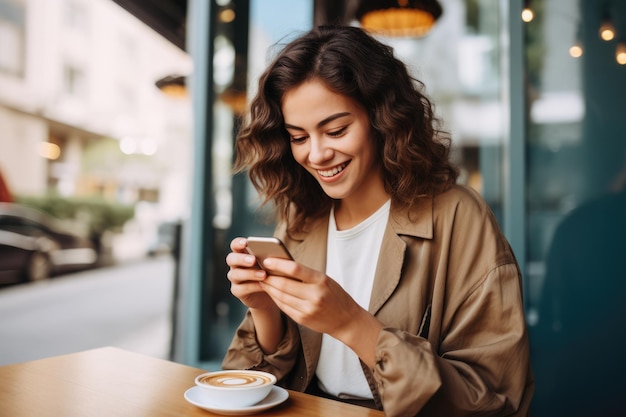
276, 396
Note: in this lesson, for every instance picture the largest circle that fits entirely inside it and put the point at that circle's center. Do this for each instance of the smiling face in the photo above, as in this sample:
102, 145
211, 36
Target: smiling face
330, 137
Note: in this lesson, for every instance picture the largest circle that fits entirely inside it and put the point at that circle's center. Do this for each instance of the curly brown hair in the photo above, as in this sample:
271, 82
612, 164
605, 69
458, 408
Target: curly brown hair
414, 151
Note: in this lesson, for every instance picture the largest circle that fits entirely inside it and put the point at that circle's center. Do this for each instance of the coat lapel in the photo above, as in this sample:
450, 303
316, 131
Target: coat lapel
417, 222
311, 251
388, 269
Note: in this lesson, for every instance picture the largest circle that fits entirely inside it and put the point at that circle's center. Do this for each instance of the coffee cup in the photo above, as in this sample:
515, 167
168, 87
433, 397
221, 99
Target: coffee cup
235, 388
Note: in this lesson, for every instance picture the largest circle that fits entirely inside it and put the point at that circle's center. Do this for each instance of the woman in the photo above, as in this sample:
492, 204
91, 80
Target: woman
404, 295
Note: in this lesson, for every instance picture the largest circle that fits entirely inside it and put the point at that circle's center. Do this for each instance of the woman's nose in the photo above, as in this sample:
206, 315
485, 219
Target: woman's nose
319, 152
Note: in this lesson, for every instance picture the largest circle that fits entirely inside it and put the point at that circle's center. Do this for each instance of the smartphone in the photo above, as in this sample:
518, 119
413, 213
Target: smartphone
267, 247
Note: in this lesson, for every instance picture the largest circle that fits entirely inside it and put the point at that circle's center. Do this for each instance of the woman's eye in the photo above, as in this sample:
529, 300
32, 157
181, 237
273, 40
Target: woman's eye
337, 133
298, 139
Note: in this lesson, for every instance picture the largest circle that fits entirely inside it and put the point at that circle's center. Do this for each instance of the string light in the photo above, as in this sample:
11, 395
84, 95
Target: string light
607, 33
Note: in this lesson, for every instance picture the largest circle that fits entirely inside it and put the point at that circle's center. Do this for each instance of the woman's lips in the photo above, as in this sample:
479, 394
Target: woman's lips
329, 173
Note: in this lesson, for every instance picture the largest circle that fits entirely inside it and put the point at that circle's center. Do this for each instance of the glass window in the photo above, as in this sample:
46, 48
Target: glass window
576, 207
459, 63
243, 44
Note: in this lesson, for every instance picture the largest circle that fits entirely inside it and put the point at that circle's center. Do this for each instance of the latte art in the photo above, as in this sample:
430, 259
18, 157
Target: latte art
235, 388
234, 380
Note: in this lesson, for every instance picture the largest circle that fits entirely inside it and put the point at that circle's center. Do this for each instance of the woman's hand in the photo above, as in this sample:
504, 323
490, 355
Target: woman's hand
309, 297
245, 276
318, 302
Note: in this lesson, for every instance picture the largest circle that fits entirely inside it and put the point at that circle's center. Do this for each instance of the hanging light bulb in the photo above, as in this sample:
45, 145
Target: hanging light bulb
620, 53
527, 14
607, 30
576, 50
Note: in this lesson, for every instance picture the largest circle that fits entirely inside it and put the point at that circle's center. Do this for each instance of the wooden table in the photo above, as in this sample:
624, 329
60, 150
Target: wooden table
110, 382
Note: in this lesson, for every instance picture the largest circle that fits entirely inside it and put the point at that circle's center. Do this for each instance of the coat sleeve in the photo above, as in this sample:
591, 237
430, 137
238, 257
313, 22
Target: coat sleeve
481, 366
244, 351
473, 358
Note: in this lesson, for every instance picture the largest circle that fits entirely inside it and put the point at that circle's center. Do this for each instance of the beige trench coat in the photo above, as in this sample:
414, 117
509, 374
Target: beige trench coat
447, 289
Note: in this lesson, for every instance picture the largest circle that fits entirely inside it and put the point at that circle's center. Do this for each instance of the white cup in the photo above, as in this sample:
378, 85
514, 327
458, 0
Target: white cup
235, 388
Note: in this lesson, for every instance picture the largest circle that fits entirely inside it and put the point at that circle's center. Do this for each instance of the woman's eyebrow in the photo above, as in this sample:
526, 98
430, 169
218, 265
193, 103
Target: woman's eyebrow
322, 123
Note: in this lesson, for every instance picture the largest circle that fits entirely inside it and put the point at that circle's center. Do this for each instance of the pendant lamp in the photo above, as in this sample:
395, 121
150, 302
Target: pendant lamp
398, 18
173, 86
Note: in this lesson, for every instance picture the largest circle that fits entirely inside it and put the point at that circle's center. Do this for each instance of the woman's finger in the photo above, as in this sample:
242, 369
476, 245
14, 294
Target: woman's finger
239, 244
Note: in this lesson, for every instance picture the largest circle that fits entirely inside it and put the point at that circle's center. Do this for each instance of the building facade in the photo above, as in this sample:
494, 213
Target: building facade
79, 109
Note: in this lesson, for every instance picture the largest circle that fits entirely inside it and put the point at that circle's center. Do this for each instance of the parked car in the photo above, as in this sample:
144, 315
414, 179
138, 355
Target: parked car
35, 246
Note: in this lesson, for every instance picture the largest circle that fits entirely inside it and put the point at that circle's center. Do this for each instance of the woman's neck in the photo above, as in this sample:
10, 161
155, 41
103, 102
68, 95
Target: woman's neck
349, 213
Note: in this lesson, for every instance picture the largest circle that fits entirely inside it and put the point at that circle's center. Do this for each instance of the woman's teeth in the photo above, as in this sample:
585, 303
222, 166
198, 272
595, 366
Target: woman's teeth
331, 172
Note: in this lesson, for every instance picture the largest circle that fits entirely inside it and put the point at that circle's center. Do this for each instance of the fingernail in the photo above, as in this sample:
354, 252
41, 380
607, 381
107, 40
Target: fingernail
242, 241
260, 274
250, 259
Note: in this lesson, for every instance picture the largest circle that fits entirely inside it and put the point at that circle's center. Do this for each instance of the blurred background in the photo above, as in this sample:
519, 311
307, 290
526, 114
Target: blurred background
117, 201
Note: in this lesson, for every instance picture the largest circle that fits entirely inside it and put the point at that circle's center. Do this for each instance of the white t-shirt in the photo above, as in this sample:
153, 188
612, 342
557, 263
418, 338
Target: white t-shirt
351, 260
